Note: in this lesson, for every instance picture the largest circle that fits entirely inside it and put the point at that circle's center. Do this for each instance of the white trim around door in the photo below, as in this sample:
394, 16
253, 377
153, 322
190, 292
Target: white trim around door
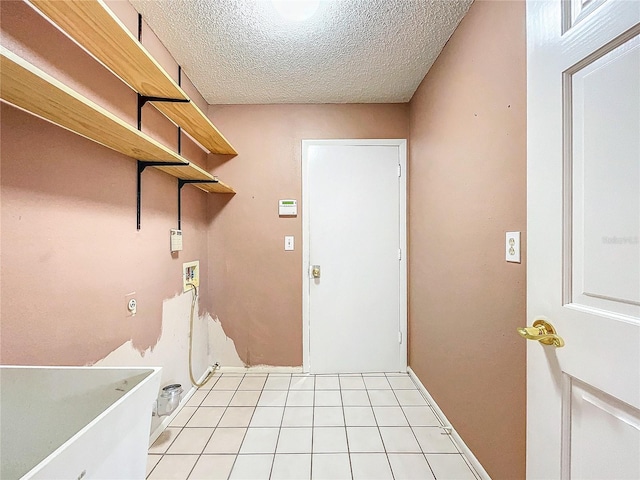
401, 144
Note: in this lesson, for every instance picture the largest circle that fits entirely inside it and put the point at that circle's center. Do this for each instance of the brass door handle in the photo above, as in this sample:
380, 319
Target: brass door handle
315, 271
543, 332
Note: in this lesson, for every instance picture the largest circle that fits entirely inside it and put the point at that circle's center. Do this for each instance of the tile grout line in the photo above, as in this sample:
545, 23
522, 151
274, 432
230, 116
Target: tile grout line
245, 433
344, 420
217, 423
345, 423
380, 432
386, 454
424, 455
313, 426
314, 405
275, 449
313, 423
442, 425
212, 432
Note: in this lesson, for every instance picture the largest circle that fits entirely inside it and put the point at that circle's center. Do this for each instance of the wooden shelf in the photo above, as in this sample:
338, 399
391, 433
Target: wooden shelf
33, 90
29, 88
95, 28
194, 172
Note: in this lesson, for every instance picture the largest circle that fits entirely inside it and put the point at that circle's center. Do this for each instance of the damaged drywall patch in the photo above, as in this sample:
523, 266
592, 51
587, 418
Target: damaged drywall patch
172, 348
222, 348
171, 352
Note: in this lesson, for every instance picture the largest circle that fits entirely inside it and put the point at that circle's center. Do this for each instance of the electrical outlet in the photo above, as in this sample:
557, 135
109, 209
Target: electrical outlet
190, 275
512, 247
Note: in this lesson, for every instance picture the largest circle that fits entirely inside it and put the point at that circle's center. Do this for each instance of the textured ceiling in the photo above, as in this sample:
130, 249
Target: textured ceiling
350, 51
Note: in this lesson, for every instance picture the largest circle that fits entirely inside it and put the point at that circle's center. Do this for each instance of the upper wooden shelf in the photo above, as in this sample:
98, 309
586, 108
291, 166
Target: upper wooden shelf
29, 88
95, 28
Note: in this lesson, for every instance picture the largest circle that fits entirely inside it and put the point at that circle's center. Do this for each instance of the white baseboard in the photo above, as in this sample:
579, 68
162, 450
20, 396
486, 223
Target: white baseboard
260, 369
471, 458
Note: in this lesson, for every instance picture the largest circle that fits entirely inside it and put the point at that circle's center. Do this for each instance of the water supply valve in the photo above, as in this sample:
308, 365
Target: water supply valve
132, 306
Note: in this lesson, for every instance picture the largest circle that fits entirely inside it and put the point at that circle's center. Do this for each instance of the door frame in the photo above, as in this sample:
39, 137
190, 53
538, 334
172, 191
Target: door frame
306, 314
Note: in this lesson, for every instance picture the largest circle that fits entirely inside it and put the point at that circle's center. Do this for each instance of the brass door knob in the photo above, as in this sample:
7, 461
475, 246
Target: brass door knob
543, 332
315, 271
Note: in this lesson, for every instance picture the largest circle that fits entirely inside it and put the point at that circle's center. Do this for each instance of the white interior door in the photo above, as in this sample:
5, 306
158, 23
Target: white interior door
583, 403
354, 217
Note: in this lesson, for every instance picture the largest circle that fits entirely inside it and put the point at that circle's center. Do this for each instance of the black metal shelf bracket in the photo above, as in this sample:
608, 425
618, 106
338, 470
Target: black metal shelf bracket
179, 127
182, 183
143, 99
141, 166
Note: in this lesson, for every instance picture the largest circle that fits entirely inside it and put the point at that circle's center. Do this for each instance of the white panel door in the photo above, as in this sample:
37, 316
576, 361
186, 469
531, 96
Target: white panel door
354, 220
583, 405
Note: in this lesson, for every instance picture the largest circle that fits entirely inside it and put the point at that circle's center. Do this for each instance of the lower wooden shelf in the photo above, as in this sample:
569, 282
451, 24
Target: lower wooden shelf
33, 90
194, 172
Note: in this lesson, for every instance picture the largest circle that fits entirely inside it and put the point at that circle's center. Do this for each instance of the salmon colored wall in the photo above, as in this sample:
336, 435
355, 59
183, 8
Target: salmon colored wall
467, 187
70, 249
256, 287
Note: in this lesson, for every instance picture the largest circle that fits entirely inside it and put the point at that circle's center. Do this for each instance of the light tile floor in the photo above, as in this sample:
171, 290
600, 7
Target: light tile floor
307, 427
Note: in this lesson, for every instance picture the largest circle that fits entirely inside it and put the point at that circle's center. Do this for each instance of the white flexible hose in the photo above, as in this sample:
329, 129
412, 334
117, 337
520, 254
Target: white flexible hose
194, 299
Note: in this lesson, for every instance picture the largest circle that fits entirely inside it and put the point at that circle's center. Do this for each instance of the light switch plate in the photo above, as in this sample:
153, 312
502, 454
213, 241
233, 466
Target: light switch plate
512, 247
289, 243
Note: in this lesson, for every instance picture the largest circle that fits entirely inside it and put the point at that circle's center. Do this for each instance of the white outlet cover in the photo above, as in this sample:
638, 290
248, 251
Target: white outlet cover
512, 247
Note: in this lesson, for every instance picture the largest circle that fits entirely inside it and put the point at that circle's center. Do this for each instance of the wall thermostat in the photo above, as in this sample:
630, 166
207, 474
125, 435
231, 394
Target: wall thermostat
288, 208
176, 240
